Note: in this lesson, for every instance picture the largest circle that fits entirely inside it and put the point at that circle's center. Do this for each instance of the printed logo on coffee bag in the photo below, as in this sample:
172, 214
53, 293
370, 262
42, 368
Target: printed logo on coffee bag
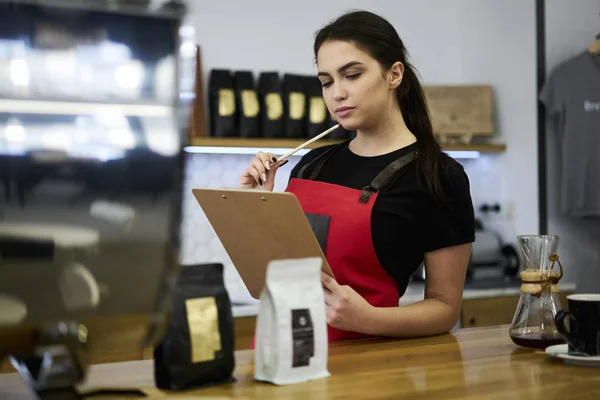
318, 110
203, 322
250, 104
274, 106
303, 338
226, 102
297, 105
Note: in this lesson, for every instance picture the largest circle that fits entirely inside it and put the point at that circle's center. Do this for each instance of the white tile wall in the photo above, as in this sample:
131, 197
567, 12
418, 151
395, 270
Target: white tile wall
200, 243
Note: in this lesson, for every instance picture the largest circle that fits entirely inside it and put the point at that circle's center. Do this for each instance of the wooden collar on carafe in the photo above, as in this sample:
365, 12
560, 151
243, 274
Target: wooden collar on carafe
535, 281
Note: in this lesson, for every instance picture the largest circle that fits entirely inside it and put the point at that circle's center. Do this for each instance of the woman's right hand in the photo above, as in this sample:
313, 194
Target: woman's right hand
261, 172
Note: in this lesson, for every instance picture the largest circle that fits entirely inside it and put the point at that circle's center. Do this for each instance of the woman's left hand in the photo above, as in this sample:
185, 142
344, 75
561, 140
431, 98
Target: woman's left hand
345, 309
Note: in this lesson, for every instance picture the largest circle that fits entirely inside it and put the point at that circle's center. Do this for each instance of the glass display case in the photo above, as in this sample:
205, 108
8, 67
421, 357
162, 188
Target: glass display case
90, 172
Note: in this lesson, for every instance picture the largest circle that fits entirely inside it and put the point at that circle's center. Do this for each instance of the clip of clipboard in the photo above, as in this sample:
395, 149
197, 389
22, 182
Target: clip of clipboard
256, 227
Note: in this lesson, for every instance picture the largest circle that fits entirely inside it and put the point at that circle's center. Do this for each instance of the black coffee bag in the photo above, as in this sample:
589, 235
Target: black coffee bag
295, 106
222, 106
198, 348
317, 115
248, 105
271, 104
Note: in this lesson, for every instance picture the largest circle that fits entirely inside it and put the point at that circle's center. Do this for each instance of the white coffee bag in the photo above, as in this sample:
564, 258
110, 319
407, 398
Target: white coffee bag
291, 333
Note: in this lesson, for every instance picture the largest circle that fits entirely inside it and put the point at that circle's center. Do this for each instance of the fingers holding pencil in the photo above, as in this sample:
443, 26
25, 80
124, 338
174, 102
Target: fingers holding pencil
261, 171
303, 145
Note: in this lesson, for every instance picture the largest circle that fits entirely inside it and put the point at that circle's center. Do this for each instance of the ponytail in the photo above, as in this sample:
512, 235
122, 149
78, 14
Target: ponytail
413, 105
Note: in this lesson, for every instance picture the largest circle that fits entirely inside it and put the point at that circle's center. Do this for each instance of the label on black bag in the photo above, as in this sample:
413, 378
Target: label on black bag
203, 322
303, 338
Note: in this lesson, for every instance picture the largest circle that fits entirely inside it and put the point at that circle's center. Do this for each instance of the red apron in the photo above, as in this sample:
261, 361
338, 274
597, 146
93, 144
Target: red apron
349, 244
349, 251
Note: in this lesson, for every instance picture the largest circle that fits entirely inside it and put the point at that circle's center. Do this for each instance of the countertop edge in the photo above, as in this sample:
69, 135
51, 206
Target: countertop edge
413, 294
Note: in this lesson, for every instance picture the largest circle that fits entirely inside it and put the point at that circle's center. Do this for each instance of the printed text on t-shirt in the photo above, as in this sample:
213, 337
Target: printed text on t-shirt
591, 105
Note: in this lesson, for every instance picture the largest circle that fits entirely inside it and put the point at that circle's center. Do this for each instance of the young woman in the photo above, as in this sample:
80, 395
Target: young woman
390, 197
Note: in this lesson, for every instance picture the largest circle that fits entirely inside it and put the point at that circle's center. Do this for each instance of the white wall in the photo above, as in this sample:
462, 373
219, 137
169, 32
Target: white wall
449, 41
278, 35
571, 27
498, 48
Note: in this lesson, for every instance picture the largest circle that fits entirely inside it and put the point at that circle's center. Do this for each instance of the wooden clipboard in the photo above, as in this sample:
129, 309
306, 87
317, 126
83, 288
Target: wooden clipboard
256, 227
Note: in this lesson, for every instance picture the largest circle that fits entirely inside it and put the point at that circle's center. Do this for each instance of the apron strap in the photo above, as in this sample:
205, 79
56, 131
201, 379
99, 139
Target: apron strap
382, 181
321, 160
387, 176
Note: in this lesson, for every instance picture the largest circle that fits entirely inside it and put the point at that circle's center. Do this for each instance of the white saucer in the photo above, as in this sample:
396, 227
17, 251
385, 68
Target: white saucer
562, 351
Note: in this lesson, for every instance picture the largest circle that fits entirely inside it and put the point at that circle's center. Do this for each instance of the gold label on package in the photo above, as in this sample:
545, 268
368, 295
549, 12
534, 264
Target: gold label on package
250, 104
318, 110
203, 321
274, 106
226, 102
297, 105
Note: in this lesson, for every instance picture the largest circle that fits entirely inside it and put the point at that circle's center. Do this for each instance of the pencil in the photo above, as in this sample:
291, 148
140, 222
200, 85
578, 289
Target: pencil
303, 145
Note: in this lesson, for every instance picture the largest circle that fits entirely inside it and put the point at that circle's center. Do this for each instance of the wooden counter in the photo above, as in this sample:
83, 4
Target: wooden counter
475, 363
116, 338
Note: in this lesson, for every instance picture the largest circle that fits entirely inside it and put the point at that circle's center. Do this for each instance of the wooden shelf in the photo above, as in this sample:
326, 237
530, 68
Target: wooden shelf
482, 148
257, 142
292, 143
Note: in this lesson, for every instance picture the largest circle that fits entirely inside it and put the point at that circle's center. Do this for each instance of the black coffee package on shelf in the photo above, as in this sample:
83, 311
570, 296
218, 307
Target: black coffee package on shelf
198, 348
222, 106
317, 115
271, 104
294, 101
247, 104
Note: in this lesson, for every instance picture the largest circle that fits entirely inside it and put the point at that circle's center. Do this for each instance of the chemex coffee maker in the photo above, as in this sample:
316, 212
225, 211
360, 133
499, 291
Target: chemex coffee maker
533, 325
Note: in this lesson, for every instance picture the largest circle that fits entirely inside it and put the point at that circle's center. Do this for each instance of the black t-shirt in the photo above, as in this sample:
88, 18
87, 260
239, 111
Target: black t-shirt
406, 222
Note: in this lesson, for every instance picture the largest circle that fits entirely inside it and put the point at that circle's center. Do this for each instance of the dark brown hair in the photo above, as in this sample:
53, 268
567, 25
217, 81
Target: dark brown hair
378, 38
